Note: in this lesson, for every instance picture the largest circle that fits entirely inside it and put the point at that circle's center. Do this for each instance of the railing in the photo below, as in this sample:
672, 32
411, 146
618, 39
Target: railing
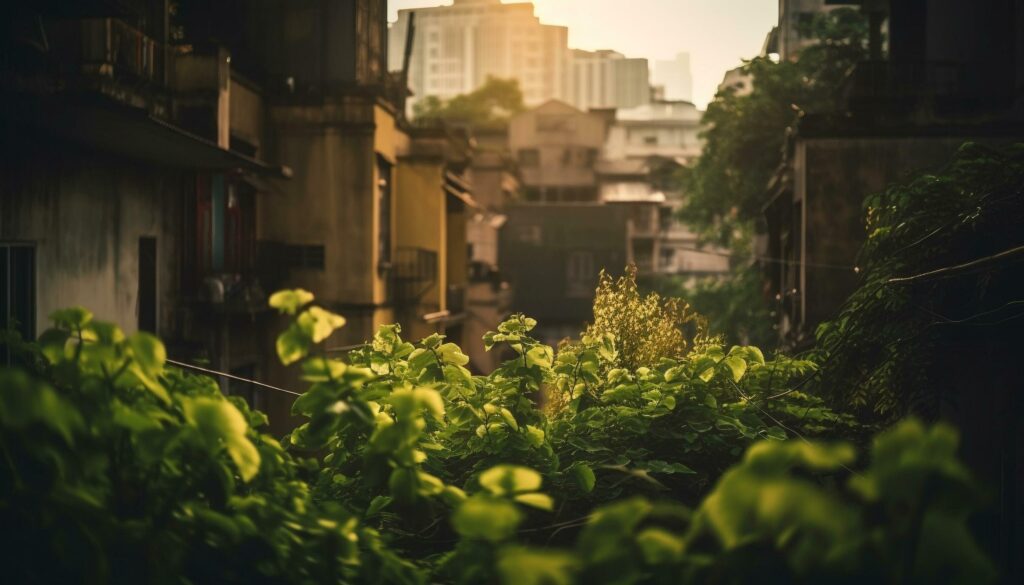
109, 47
414, 272
456, 298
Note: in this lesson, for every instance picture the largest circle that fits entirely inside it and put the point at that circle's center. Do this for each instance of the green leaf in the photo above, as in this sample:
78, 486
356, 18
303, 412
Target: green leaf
660, 546
290, 301
72, 317
432, 401
534, 435
490, 519
584, 476
404, 485
737, 367
221, 424
524, 566
536, 500
319, 324
376, 505
510, 479
292, 345
25, 402
510, 420
148, 352
450, 353
540, 356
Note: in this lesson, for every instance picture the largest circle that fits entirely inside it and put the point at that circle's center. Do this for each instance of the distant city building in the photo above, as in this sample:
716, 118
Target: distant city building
789, 37
607, 79
738, 81
457, 47
557, 147
675, 78
668, 129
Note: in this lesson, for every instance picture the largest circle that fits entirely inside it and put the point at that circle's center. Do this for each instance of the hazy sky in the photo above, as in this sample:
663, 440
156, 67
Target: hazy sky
716, 33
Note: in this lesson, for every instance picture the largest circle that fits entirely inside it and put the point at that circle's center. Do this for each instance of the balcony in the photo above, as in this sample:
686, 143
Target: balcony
110, 48
414, 273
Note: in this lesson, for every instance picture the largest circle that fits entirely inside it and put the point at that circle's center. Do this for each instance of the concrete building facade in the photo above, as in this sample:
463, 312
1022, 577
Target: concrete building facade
675, 78
607, 79
458, 47
556, 147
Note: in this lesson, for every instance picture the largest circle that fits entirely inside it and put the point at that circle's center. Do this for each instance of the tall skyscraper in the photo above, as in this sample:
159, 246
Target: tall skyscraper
675, 77
607, 79
457, 47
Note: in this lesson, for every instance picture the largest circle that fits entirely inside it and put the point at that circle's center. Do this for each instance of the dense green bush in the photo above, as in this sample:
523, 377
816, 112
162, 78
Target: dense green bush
557, 467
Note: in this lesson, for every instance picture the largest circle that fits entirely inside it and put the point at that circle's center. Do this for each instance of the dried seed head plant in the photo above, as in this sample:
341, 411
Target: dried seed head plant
646, 327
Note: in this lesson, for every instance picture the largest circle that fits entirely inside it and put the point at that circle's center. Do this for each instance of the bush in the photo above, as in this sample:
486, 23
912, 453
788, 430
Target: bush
558, 467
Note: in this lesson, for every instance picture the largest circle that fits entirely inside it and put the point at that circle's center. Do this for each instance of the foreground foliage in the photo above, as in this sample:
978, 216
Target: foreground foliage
558, 467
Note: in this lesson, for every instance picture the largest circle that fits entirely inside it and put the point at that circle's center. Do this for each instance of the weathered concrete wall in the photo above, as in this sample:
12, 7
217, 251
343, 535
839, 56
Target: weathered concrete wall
420, 218
567, 141
85, 215
330, 199
552, 255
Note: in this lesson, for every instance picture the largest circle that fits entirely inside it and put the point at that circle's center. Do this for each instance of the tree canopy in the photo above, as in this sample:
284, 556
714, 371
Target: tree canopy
745, 133
492, 104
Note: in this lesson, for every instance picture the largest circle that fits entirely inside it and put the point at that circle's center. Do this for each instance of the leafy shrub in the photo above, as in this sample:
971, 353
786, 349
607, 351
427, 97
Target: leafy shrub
558, 467
119, 469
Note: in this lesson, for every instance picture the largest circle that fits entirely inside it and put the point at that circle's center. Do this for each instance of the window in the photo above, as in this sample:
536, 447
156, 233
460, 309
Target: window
17, 292
309, 257
529, 234
579, 274
529, 157
651, 140
384, 212
668, 256
145, 306
554, 123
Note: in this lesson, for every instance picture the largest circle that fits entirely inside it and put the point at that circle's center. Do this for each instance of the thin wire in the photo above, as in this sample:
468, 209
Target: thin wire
965, 268
778, 422
233, 377
345, 348
772, 259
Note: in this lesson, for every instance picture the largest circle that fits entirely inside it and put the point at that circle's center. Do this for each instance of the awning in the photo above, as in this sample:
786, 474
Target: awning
129, 132
456, 187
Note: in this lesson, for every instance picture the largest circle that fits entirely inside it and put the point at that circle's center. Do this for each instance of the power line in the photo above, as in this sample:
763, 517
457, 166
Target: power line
233, 377
770, 259
965, 268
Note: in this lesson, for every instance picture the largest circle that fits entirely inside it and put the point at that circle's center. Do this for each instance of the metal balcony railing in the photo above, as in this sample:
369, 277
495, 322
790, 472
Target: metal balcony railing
109, 47
414, 272
456, 298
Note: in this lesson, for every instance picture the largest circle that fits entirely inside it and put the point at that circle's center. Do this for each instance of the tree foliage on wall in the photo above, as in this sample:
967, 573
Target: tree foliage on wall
490, 105
881, 351
745, 132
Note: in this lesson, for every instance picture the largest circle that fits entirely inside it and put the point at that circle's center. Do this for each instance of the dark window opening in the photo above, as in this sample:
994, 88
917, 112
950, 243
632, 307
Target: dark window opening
17, 293
146, 303
310, 257
529, 157
384, 206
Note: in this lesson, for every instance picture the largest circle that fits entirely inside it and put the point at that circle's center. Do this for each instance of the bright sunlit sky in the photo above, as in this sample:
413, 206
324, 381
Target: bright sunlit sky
716, 33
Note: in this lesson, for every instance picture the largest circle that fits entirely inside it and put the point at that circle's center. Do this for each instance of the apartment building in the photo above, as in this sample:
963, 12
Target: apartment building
607, 79
169, 170
458, 47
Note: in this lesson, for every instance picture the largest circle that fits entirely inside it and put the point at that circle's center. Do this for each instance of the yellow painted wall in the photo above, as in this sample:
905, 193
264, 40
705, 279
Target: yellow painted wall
420, 216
